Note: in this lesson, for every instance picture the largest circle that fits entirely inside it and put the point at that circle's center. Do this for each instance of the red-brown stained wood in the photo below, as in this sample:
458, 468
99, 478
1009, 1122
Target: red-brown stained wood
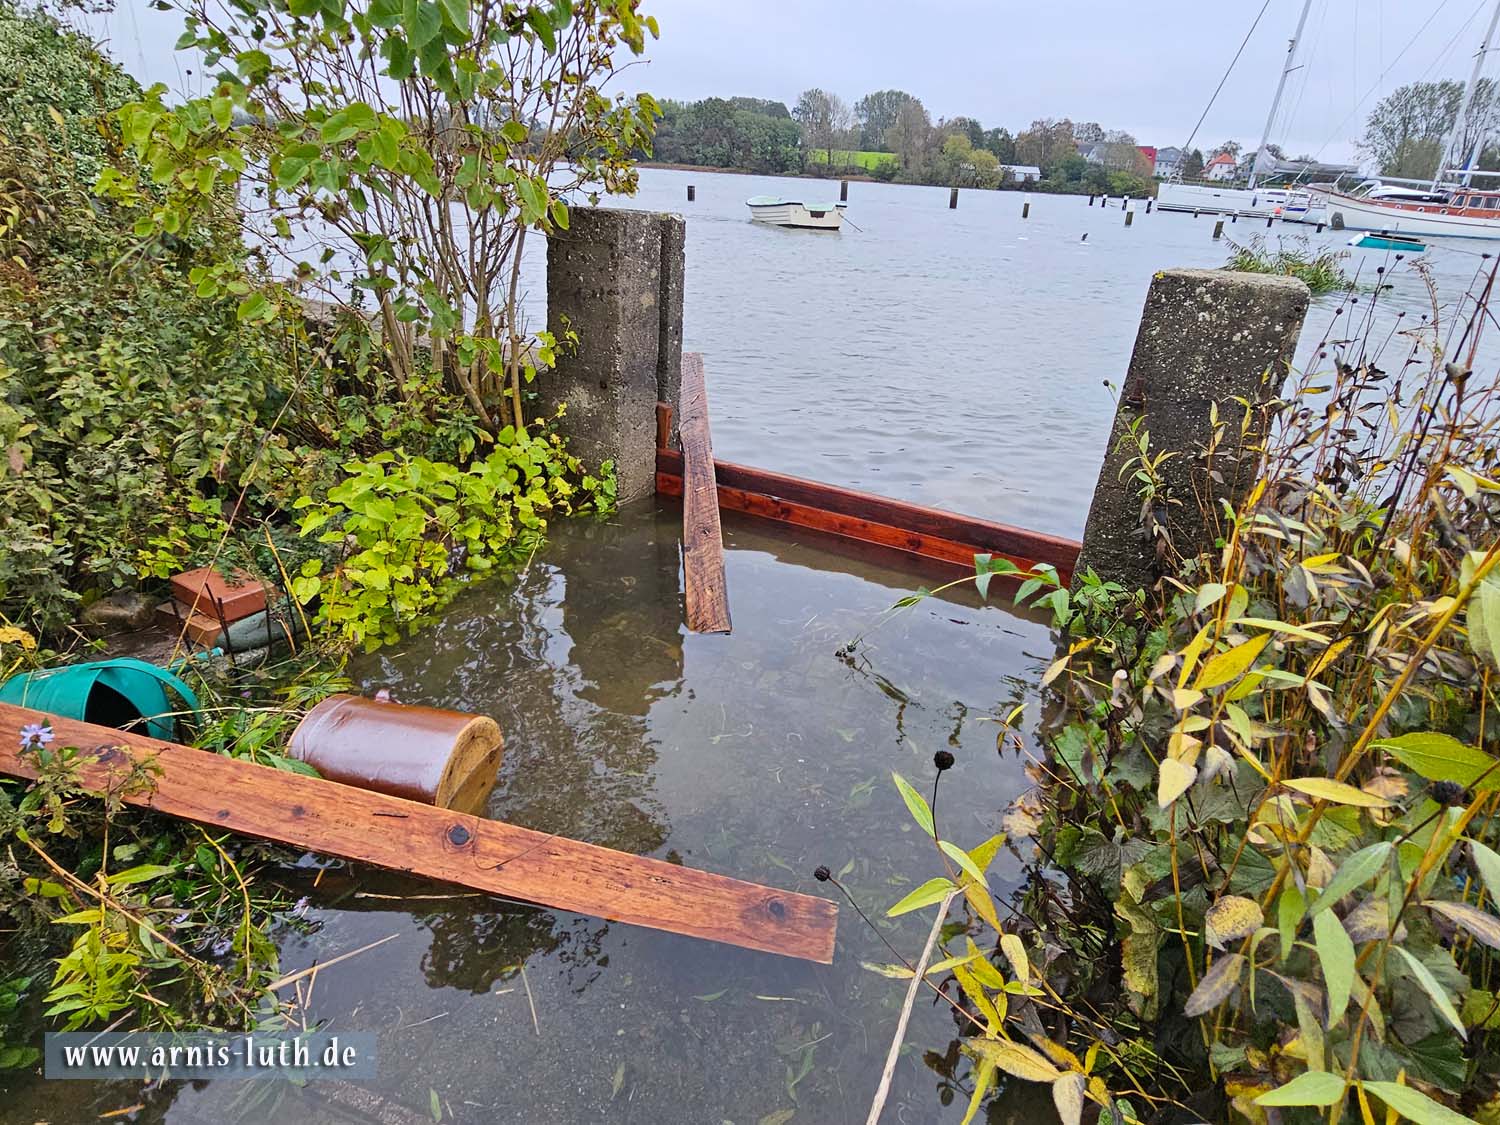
927, 533
486, 855
702, 538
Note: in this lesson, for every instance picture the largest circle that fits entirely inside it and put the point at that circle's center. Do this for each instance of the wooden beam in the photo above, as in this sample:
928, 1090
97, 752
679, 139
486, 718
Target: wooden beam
486, 855
702, 538
926, 533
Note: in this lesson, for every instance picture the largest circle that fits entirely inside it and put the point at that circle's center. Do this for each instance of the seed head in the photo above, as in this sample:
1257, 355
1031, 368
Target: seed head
822, 874
943, 760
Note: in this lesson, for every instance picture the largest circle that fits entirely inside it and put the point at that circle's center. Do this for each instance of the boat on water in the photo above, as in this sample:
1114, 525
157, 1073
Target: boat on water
780, 212
1455, 209
1458, 212
1388, 241
1213, 199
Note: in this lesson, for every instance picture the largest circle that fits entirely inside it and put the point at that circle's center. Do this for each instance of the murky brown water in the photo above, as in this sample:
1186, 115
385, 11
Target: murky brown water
761, 754
952, 358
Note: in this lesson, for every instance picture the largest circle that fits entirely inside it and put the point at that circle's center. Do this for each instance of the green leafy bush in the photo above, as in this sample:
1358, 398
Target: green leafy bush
1272, 800
401, 526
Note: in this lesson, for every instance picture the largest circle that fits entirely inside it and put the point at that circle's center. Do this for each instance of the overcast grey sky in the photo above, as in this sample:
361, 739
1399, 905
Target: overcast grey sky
1149, 67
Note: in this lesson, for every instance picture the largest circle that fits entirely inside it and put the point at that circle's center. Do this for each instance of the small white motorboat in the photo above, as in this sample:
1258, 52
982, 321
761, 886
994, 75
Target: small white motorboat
794, 213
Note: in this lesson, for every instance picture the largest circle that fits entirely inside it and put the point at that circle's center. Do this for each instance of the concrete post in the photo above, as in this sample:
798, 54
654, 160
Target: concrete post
1206, 337
669, 334
606, 283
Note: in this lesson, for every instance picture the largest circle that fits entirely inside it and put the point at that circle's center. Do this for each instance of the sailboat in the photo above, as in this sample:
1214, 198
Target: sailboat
1458, 210
1250, 201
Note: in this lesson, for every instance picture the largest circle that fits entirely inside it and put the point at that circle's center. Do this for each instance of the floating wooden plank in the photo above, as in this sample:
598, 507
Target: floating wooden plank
486, 855
702, 538
926, 533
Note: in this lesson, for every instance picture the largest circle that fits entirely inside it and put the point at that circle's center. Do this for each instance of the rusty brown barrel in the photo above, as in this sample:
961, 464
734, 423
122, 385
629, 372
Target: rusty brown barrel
443, 758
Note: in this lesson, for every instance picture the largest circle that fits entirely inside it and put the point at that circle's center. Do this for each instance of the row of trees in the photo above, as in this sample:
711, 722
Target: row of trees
750, 133
1407, 130
821, 128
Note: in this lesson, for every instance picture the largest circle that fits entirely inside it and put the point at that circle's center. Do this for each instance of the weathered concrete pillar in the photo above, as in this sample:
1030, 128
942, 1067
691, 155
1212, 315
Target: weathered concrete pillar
669, 334
1206, 337
605, 283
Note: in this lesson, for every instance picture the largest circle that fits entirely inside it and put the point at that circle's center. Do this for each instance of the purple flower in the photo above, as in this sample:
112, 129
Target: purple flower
222, 946
299, 908
180, 920
36, 735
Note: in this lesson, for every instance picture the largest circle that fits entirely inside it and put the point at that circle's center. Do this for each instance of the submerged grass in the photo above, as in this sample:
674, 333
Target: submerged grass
1321, 271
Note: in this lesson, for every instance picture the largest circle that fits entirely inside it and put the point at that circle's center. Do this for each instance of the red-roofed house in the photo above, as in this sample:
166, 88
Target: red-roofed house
1221, 167
1149, 152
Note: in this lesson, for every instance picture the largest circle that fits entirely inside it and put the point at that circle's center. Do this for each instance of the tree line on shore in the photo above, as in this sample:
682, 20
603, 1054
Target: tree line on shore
890, 135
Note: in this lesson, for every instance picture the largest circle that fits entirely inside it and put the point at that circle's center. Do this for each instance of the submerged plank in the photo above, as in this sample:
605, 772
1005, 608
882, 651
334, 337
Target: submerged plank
702, 538
928, 533
486, 855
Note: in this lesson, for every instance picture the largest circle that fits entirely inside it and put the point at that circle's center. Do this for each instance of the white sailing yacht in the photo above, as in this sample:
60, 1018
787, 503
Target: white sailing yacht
1455, 210
1215, 199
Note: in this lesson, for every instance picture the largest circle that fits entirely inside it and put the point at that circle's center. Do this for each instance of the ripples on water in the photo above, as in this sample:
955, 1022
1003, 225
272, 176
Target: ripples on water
954, 358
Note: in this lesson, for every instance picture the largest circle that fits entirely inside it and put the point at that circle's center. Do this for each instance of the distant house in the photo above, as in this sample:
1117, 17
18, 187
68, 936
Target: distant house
1093, 153
1022, 173
1167, 163
1221, 167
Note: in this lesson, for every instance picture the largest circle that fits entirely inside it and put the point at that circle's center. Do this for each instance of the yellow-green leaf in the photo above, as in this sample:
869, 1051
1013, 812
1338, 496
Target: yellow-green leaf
915, 803
1336, 956
1415, 1105
1174, 779
934, 890
1434, 990
1015, 1059
1231, 919
1441, 757
1326, 789
1314, 1087
1228, 666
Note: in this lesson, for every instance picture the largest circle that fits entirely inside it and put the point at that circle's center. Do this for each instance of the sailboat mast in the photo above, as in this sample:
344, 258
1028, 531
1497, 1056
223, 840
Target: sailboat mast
1291, 65
1467, 105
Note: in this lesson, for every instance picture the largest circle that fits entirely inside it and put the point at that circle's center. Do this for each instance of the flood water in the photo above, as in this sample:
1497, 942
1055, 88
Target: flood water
954, 358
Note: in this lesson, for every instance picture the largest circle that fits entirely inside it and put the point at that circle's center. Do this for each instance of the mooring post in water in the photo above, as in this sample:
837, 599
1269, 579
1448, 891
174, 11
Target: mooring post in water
1129, 215
1269, 220
1125, 203
1091, 200
1206, 338
952, 198
1218, 230
692, 193
614, 278
1149, 200
1104, 201
1026, 208
1320, 228
843, 191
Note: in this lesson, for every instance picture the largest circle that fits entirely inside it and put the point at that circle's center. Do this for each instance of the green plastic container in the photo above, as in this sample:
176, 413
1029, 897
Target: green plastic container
112, 693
